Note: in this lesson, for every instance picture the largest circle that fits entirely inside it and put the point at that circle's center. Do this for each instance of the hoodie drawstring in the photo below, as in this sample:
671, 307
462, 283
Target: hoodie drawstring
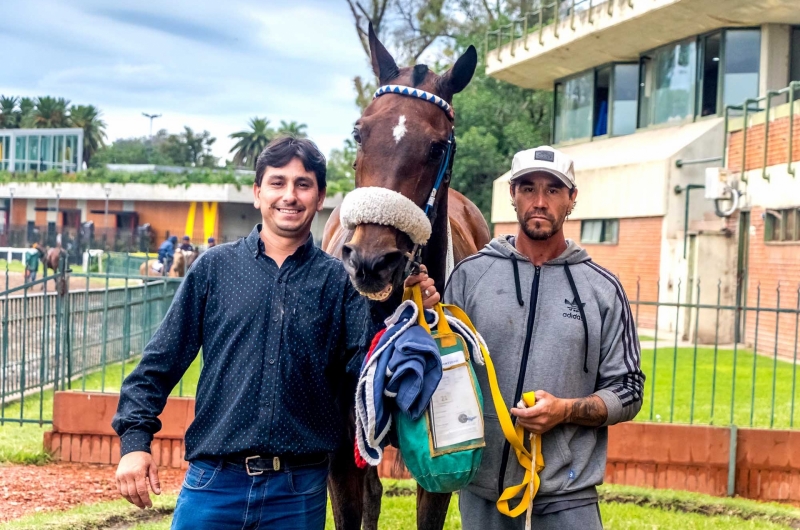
516, 279
583, 318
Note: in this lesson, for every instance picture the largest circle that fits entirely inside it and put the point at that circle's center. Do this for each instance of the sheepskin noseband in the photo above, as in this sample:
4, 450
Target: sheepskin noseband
375, 205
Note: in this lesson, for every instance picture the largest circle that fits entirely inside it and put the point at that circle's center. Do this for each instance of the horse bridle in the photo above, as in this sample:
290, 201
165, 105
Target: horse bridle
445, 166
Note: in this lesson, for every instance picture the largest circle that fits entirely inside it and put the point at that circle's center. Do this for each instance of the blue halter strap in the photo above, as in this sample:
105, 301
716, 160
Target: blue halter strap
445, 166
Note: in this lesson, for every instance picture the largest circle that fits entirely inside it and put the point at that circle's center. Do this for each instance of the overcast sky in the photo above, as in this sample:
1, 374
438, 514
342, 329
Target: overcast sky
207, 64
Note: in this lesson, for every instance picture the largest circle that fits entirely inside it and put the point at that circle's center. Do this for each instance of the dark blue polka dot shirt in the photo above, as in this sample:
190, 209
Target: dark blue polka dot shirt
276, 342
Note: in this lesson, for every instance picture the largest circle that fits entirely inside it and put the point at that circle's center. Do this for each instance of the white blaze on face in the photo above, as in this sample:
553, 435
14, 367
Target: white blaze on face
399, 130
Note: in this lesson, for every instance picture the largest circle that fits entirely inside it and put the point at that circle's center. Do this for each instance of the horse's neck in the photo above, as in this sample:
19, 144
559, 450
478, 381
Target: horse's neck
435, 254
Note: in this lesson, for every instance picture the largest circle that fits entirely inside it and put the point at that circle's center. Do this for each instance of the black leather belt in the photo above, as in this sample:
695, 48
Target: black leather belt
257, 465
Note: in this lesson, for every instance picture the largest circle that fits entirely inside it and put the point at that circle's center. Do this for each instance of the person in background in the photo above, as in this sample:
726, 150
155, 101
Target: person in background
166, 252
32, 263
186, 245
212, 242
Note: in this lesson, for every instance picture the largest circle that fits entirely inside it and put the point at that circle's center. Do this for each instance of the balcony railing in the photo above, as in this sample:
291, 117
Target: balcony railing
533, 22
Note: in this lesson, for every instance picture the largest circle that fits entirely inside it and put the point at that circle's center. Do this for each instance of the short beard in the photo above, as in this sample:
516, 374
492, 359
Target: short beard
537, 234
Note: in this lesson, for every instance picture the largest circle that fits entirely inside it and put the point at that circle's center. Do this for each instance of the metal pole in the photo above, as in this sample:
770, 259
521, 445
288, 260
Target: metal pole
687, 189
770, 93
11, 191
107, 190
58, 200
732, 461
792, 88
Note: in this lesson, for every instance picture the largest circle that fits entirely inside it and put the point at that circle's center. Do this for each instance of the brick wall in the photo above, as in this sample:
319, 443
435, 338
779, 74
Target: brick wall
636, 257
777, 148
657, 455
771, 264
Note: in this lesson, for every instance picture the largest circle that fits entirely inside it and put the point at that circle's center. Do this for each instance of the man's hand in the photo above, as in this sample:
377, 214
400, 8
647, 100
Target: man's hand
546, 413
134, 472
430, 297
550, 411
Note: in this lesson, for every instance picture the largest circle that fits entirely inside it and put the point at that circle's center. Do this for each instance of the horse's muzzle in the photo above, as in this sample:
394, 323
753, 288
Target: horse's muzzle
374, 275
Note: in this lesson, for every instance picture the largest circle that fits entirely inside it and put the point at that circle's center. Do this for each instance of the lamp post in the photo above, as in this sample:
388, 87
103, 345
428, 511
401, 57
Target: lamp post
107, 190
152, 117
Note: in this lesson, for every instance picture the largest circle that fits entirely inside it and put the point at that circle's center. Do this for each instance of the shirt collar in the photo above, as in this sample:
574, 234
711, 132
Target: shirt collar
256, 246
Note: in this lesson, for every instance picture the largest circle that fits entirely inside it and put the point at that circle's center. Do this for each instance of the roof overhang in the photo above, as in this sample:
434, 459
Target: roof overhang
601, 35
632, 171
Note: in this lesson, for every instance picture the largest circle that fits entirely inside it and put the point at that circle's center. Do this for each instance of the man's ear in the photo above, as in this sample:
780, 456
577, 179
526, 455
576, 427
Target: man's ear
321, 200
256, 196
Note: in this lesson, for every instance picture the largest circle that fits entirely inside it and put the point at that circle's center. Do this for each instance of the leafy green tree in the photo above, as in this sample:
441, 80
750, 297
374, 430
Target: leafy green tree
87, 117
189, 148
251, 142
51, 113
341, 176
293, 129
9, 114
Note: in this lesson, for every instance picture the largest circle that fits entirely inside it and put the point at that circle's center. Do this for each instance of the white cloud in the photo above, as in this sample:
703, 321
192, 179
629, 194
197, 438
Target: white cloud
206, 64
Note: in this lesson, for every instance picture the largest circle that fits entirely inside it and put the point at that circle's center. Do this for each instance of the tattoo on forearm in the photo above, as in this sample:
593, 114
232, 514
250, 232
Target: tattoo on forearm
589, 411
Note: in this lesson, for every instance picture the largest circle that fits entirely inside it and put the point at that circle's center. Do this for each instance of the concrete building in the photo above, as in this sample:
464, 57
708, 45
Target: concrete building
648, 96
37, 212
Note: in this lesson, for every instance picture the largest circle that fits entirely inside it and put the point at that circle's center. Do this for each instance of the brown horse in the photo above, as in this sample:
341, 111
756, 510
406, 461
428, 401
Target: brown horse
401, 142
181, 261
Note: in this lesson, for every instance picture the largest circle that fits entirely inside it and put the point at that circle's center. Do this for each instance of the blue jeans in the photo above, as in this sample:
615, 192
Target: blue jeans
222, 496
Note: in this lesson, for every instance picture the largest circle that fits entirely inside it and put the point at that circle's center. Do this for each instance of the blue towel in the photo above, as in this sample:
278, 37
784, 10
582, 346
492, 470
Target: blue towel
403, 371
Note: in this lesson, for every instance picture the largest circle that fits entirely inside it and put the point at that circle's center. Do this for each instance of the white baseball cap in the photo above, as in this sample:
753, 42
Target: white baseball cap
546, 159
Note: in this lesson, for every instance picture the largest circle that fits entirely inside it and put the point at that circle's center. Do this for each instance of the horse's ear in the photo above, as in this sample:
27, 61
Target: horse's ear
458, 77
382, 61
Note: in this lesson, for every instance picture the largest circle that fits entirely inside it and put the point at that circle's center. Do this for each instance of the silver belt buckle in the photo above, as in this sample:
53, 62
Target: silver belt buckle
247, 466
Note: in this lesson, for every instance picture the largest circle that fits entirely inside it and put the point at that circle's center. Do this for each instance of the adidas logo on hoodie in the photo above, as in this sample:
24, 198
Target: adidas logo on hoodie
572, 309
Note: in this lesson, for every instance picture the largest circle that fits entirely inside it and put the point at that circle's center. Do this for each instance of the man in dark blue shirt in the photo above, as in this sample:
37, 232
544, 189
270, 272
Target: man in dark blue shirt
278, 321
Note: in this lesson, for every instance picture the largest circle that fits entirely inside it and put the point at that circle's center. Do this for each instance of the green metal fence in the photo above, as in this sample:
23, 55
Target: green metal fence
54, 337
697, 371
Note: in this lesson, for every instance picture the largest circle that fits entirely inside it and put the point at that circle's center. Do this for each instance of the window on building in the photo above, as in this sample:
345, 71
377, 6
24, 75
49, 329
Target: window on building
708, 74
794, 57
782, 225
623, 104
742, 61
600, 231
602, 92
573, 108
668, 84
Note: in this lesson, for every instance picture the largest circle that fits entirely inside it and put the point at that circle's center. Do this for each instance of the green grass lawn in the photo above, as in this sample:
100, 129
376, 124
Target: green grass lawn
681, 387
690, 402
22, 443
633, 508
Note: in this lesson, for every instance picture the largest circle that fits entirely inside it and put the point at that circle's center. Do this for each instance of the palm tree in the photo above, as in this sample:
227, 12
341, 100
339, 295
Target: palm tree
87, 117
293, 129
251, 142
26, 113
9, 117
50, 113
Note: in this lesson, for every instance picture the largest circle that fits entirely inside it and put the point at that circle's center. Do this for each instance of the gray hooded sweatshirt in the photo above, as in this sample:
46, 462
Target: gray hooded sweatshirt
566, 328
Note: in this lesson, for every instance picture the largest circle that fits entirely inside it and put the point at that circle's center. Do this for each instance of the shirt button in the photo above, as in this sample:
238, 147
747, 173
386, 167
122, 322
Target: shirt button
280, 281
275, 319
266, 404
272, 361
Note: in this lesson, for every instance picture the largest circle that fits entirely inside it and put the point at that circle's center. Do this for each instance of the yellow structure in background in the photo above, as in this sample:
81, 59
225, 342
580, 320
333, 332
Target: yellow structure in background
210, 210
209, 219
190, 220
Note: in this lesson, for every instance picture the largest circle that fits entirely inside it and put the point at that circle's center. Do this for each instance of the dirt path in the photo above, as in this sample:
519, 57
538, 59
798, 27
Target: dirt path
28, 489
76, 283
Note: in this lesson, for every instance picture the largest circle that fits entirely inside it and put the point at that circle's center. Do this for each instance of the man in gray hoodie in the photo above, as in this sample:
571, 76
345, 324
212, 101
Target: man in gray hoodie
558, 324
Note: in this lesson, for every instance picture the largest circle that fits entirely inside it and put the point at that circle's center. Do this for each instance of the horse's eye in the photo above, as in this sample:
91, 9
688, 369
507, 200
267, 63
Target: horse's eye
437, 151
357, 135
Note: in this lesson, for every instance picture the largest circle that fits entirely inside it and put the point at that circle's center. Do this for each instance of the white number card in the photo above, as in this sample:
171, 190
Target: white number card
454, 410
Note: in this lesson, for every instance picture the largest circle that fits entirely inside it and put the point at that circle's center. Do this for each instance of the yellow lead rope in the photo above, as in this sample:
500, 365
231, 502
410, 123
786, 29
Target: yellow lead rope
515, 436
